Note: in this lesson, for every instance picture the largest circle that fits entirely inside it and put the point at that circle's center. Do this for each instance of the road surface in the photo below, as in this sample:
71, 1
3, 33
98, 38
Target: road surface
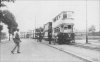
32, 51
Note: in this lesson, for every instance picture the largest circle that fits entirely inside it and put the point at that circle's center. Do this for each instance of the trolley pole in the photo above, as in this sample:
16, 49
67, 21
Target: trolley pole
86, 25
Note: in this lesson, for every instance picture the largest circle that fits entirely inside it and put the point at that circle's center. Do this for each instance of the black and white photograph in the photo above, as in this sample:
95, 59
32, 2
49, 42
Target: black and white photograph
49, 30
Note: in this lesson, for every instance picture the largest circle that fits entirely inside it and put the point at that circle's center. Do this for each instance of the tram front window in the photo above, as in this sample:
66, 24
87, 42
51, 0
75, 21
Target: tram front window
69, 26
67, 29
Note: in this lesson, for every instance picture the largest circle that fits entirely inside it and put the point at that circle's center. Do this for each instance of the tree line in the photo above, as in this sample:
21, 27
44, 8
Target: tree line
7, 18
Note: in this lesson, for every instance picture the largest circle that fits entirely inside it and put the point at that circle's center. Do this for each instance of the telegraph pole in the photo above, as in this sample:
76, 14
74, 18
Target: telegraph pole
86, 25
35, 27
99, 15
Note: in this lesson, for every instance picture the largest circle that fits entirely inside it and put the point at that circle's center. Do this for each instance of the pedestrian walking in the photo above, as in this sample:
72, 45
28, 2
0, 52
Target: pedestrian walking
17, 41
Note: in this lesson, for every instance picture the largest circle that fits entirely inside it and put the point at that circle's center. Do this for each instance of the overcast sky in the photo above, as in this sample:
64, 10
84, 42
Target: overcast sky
26, 12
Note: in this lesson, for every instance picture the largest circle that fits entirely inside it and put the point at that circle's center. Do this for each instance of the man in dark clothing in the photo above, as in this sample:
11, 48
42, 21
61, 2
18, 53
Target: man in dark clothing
17, 41
40, 37
50, 38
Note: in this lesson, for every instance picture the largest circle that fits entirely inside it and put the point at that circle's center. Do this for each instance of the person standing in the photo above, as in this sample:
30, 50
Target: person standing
50, 37
17, 41
40, 37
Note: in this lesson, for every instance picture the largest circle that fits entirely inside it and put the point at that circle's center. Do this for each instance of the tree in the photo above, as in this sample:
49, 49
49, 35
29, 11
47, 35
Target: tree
7, 0
3, 35
2, 5
92, 29
8, 18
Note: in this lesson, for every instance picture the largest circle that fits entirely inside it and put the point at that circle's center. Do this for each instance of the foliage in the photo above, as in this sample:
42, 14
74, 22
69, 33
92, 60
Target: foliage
3, 35
92, 28
2, 5
9, 0
9, 19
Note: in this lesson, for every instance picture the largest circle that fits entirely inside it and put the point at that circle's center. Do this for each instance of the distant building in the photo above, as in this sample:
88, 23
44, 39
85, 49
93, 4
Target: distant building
23, 34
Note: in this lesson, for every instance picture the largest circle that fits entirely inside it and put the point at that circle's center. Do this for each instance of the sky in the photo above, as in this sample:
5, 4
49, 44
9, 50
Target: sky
31, 13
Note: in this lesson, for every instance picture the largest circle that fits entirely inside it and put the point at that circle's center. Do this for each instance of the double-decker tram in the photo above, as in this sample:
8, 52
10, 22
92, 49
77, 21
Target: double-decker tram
47, 31
62, 29
38, 32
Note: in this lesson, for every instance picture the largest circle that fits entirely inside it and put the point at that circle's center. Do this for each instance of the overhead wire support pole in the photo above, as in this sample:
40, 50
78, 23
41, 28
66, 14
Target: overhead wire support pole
99, 15
99, 22
35, 27
86, 25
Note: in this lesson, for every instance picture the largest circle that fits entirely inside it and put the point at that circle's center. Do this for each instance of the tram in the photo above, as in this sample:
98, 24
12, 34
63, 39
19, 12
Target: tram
61, 29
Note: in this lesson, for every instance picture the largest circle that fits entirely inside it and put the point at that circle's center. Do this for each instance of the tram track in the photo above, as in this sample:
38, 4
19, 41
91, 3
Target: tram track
75, 55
